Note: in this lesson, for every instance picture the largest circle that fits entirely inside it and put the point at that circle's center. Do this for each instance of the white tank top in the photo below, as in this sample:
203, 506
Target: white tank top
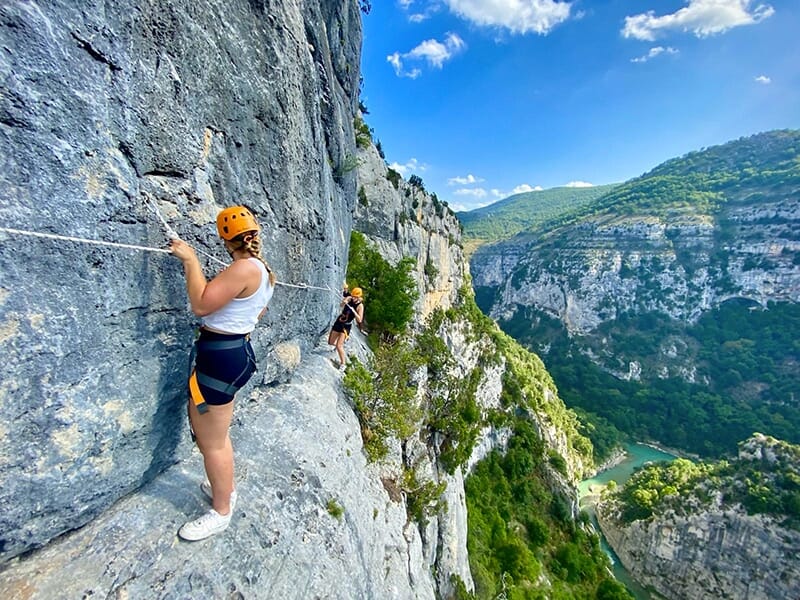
240, 315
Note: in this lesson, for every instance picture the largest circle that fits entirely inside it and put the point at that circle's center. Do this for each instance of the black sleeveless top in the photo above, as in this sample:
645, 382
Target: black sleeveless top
348, 315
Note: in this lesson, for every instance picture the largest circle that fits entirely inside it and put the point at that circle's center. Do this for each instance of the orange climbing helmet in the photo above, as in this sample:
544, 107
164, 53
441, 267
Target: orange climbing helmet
356, 292
234, 221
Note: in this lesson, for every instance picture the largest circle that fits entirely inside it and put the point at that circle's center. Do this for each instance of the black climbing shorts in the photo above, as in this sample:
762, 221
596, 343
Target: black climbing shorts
233, 365
342, 327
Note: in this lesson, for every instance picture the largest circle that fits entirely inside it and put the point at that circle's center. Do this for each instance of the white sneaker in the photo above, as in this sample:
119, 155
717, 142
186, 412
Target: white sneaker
206, 487
209, 524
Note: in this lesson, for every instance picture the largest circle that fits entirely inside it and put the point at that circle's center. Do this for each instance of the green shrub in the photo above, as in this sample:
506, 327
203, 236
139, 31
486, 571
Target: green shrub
335, 509
389, 292
423, 500
363, 133
394, 177
385, 396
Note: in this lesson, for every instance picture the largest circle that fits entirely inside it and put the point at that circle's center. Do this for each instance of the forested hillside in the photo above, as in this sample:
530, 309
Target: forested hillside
528, 210
668, 308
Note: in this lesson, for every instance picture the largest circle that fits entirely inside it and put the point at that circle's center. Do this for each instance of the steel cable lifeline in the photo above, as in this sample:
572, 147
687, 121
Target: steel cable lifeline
171, 233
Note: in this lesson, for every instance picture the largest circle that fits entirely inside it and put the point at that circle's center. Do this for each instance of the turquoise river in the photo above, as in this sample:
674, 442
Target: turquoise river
636, 456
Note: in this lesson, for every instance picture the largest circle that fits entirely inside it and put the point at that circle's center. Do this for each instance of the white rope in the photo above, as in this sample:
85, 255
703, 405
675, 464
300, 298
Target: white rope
172, 234
69, 238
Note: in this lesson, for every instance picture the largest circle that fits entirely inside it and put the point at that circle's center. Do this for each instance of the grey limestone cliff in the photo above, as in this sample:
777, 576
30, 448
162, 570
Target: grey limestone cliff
723, 536
108, 110
643, 263
721, 553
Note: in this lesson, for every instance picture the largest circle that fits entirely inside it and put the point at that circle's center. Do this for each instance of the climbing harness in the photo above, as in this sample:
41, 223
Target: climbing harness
197, 379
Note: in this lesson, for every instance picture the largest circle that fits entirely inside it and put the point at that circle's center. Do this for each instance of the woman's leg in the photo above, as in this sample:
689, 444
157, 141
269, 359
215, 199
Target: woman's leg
211, 430
340, 347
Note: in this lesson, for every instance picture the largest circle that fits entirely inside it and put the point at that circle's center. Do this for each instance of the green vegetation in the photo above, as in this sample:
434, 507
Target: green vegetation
394, 177
363, 133
389, 291
523, 539
335, 509
764, 479
747, 375
521, 534
384, 395
525, 211
702, 182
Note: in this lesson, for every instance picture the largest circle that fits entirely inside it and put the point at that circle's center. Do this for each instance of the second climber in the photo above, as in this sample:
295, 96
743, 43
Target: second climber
352, 308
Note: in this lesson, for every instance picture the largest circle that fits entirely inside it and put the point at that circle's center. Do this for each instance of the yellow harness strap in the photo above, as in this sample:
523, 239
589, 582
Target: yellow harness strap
197, 396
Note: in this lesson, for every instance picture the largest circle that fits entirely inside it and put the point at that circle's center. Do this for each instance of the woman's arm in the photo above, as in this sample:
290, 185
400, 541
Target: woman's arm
206, 297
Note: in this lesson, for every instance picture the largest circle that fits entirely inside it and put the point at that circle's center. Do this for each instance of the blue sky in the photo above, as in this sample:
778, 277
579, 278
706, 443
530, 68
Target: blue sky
486, 98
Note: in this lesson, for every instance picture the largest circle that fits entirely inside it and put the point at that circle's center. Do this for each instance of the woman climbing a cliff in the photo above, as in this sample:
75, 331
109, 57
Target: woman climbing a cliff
230, 305
352, 307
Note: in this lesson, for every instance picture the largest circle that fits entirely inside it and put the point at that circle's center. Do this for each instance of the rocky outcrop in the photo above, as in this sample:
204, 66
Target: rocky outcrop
385, 213
403, 220
715, 554
192, 106
732, 533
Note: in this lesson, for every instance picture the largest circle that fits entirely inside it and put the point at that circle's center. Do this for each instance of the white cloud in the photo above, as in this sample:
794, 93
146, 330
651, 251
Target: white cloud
653, 52
526, 188
763, 79
579, 184
416, 15
497, 193
701, 17
462, 207
518, 16
474, 192
435, 53
412, 166
468, 180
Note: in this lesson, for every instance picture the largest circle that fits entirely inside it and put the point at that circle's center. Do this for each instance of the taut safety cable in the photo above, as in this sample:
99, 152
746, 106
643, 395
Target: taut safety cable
171, 232
70, 238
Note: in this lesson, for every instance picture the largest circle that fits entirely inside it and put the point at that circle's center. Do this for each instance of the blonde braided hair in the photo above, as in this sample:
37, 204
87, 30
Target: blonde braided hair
251, 242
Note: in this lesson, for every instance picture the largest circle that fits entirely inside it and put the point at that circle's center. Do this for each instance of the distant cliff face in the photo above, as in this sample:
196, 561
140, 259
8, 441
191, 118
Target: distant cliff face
680, 267
706, 544
674, 244
716, 554
193, 106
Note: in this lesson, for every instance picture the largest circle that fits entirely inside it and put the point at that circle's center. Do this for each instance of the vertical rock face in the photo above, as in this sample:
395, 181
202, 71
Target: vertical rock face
715, 554
191, 106
403, 220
